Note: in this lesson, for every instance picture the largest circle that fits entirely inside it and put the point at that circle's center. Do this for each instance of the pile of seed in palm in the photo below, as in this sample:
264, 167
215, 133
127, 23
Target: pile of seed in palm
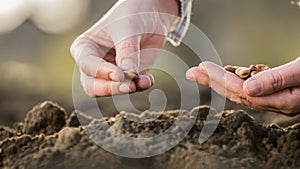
247, 72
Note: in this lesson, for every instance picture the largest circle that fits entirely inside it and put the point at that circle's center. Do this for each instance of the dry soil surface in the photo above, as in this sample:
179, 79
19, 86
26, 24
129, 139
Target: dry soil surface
49, 139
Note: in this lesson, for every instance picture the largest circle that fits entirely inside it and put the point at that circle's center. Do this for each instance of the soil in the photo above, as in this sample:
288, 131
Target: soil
49, 139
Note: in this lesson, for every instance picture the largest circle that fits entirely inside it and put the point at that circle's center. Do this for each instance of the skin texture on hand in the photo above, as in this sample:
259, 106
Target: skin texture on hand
277, 89
115, 42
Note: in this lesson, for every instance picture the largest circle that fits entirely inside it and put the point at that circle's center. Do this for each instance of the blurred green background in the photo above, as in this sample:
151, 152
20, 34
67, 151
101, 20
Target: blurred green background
36, 64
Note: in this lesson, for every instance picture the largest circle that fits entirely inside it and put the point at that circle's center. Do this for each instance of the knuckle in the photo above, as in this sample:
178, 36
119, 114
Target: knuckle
248, 103
115, 89
89, 90
101, 70
97, 71
244, 100
74, 47
78, 45
277, 80
87, 85
105, 90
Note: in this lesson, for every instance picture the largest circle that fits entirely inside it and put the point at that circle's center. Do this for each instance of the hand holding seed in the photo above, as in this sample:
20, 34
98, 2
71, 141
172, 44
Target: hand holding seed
108, 58
257, 86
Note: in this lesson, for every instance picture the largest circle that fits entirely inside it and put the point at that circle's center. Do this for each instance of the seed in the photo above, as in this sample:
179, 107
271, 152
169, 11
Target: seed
231, 68
253, 68
253, 73
262, 67
131, 74
242, 72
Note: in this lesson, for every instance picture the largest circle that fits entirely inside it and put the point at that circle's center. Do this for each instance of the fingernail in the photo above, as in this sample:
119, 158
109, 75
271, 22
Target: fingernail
113, 76
144, 82
151, 80
117, 76
126, 88
128, 64
190, 75
253, 87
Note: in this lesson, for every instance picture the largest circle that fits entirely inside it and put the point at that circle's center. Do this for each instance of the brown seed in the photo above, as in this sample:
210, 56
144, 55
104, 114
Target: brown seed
243, 72
253, 68
253, 73
131, 74
230, 68
262, 67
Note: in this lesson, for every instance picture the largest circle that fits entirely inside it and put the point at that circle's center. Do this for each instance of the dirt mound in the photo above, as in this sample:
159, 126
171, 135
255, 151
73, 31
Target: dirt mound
238, 142
47, 118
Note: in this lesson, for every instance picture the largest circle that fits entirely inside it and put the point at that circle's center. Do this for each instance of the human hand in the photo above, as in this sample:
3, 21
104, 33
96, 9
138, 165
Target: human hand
114, 43
277, 89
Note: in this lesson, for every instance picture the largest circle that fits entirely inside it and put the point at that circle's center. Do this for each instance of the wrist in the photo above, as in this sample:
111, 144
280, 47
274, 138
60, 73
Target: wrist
171, 7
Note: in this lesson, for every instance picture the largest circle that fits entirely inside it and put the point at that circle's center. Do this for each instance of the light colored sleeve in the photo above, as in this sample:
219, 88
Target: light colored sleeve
175, 37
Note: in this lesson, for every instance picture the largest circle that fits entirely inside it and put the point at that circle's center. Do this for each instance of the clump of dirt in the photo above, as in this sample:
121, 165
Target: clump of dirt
238, 141
46, 117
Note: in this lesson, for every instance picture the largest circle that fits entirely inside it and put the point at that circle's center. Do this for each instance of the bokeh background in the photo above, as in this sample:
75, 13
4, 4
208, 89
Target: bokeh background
35, 36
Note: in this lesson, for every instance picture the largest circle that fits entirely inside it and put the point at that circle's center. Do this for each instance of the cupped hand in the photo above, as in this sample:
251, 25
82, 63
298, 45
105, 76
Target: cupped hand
277, 89
114, 44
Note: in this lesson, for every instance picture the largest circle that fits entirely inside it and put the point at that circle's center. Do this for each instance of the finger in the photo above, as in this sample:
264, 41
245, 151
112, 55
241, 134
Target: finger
274, 80
277, 102
150, 51
144, 82
100, 87
223, 82
128, 56
88, 57
198, 75
97, 67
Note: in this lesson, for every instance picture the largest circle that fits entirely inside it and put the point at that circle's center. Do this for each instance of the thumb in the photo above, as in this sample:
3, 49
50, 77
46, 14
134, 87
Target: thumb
274, 80
128, 53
